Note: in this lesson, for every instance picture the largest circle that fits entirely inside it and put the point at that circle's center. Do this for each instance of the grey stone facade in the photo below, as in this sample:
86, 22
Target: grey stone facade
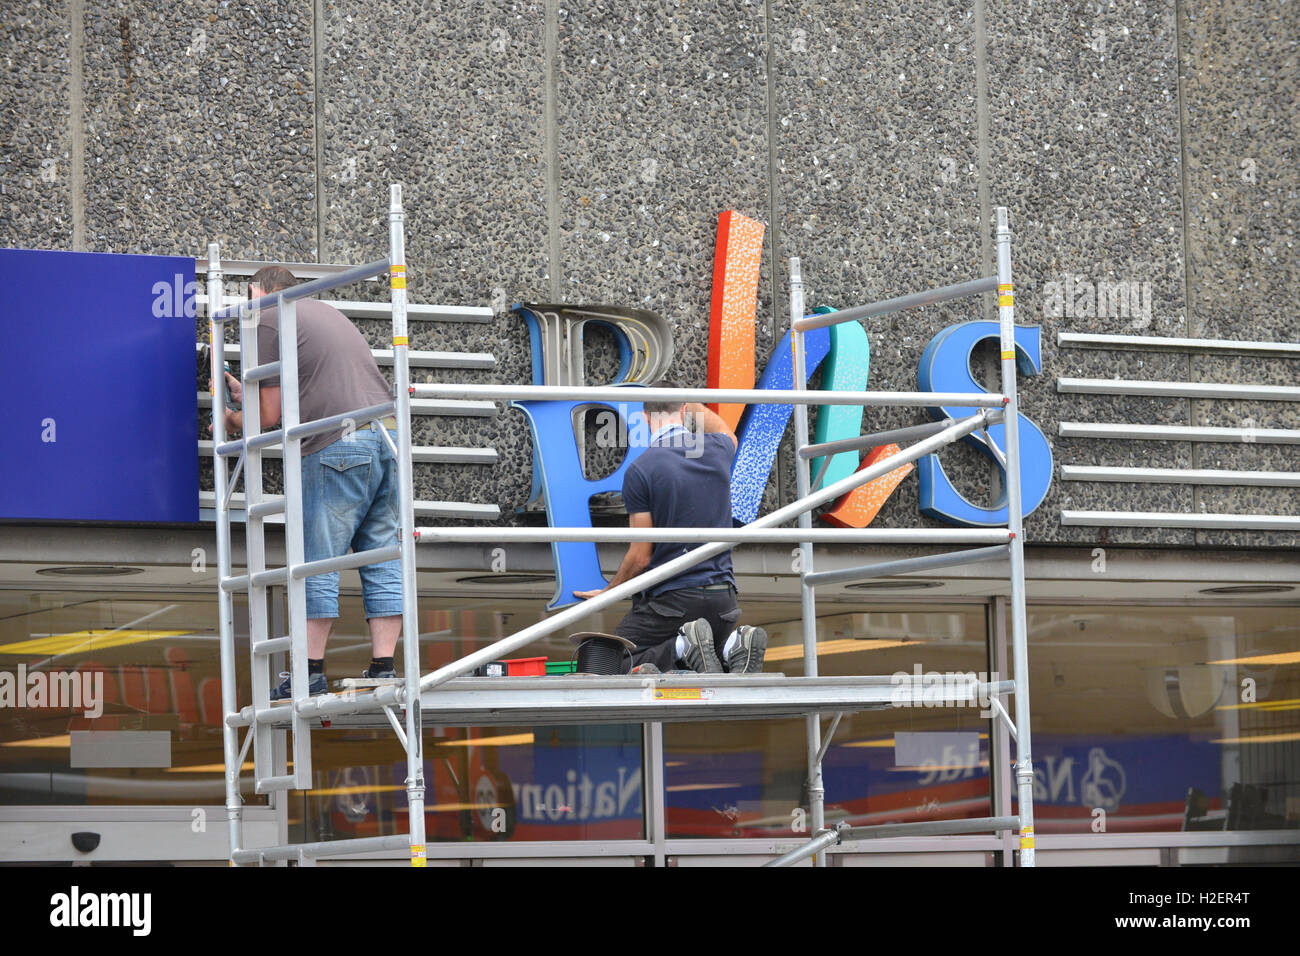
582, 153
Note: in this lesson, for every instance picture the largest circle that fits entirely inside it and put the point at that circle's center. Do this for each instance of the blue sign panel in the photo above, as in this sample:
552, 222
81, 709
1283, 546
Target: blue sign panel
98, 364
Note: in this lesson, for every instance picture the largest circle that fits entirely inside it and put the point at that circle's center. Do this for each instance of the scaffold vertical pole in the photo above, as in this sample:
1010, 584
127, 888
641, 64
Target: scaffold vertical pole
255, 549
1015, 524
294, 542
225, 600
807, 597
406, 495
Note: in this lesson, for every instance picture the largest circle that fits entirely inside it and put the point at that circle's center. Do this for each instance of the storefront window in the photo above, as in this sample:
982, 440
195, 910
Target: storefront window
904, 764
111, 698
1169, 718
482, 783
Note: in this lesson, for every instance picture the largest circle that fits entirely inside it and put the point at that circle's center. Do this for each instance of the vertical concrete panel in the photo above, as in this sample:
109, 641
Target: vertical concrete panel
448, 99
1085, 152
198, 122
878, 171
36, 158
1242, 139
662, 123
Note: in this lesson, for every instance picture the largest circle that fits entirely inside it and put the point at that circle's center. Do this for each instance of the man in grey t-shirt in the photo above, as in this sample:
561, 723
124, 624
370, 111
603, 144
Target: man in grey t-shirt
349, 475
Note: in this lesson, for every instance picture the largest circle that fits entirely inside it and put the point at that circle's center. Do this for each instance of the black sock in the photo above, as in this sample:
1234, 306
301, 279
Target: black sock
315, 666
378, 664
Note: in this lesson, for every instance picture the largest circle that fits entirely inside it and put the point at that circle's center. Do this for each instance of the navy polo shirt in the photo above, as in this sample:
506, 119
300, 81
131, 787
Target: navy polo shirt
684, 481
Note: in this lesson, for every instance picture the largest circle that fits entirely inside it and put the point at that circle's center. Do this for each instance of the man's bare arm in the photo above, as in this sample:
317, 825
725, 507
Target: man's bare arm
635, 561
708, 421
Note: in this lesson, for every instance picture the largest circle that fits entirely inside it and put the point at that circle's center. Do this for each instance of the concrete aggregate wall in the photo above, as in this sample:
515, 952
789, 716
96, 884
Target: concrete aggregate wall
582, 152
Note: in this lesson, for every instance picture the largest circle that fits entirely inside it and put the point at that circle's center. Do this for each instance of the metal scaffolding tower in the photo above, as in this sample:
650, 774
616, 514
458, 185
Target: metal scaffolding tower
446, 695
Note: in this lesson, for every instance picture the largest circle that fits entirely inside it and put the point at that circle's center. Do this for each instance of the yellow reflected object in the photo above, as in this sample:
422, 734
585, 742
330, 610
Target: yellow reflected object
1289, 657
505, 740
75, 641
845, 645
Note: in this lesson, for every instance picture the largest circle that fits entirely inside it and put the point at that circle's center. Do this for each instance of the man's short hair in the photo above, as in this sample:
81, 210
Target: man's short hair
273, 278
660, 408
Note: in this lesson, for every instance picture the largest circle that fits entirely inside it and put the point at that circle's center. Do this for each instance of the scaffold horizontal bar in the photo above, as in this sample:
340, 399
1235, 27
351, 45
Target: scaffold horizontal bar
270, 577
357, 417
262, 372
705, 535
235, 583
915, 300
272, 506
252, 444
614, 394
931, 828
910, 433
927, 562
326, 848
272, 784
348, 561
272, 645
304, 289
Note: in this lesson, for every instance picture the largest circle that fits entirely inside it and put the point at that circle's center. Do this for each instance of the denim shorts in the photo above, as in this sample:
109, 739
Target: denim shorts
349, 494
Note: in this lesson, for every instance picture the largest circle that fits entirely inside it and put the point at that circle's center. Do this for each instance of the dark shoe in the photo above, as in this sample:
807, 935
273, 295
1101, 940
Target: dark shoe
700, 656
751, 647
389, 674
316, 685
647, 668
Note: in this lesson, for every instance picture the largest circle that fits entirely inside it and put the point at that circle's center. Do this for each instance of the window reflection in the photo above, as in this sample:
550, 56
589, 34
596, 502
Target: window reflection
904, 764
493, 783
145, 663
1149, 719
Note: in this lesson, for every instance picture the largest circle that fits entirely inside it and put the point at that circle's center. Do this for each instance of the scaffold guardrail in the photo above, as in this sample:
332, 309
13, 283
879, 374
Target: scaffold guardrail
447, 695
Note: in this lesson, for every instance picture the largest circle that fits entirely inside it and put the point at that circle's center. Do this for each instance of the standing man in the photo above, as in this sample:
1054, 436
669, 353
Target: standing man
349, 477
683, 480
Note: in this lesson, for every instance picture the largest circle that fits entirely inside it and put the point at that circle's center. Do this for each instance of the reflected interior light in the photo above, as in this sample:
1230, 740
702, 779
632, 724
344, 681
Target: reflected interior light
86, 640
63, 742
1292, 703
1289, 657
845, 645
504, 740
927, 767
362, 788
884, 741
214, 768
684, 787
1259, 739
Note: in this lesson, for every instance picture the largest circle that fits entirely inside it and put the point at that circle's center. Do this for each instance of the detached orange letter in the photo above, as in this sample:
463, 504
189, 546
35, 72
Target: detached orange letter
732, 312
